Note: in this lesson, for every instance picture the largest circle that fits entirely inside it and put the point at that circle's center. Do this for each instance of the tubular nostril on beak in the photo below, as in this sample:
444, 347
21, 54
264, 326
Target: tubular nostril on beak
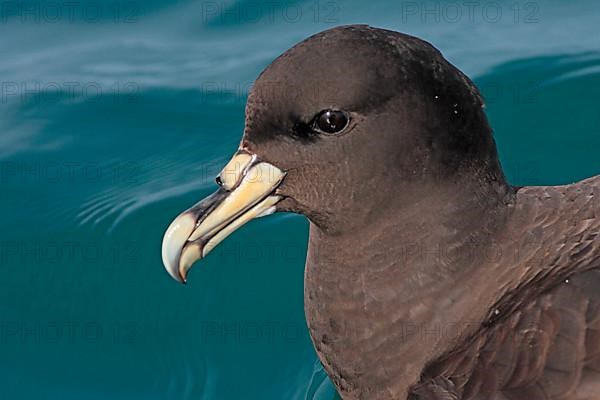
232, 174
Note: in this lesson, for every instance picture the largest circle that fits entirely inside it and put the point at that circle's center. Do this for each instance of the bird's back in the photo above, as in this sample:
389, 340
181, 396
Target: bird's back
545, 348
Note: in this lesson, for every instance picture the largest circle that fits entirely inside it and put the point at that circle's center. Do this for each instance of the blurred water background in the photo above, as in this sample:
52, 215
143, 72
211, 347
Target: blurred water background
115, 116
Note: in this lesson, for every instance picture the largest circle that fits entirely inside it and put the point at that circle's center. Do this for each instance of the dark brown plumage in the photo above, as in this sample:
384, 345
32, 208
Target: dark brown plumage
546, 343
514, 314
428, 276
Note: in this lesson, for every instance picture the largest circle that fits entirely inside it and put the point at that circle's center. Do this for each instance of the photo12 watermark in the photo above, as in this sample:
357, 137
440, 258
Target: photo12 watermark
270, 91
21, 252
470, 12
224, 332
260, 252
54, 12
68, 332
68, 172
327, 12
532, 249
71, 92
513, 92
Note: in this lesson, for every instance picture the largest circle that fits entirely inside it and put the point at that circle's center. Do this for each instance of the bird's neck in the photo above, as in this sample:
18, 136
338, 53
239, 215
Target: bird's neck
377, 300
383, 303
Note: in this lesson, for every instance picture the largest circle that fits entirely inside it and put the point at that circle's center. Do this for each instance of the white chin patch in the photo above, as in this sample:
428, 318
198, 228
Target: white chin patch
268, 211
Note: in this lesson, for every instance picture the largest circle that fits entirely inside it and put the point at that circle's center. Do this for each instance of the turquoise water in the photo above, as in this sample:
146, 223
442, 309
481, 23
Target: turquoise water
109, 128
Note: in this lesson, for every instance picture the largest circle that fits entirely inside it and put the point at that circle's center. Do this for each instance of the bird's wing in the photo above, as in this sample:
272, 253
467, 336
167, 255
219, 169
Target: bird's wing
547, 348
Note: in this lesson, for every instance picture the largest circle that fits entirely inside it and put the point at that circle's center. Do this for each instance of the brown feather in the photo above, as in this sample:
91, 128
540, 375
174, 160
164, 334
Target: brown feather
548, 348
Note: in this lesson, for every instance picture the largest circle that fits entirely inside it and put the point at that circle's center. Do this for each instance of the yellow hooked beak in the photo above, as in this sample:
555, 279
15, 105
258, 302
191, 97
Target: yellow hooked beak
247, 191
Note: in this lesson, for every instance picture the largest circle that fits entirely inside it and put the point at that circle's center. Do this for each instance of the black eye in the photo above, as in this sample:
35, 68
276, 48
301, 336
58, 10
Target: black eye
331, 121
